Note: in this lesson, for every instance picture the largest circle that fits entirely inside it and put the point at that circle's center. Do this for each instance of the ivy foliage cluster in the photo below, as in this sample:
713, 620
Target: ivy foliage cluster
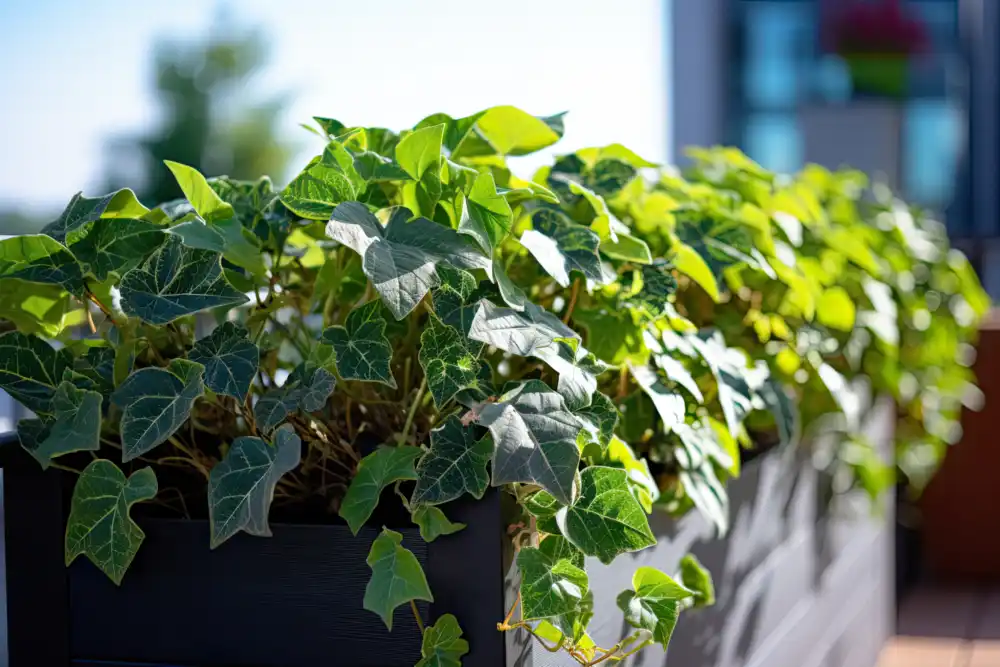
408, 314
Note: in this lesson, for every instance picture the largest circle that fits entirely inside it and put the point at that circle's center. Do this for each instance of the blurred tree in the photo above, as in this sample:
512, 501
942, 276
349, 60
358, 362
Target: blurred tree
207, 120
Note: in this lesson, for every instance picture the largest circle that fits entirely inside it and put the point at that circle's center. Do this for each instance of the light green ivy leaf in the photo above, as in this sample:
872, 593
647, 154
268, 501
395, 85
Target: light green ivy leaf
155, 402
176, 281
229, 358
455, 464
488, 217
420, 150
698, 580
606, 520
317, 190
82, 211
654, 604
362, 350
433, 523
196, 189
536, 439
99, 524
397, 577
36, 258
384, 466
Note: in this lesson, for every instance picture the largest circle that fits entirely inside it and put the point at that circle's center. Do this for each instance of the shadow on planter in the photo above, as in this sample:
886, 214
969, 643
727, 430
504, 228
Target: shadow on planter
291, 600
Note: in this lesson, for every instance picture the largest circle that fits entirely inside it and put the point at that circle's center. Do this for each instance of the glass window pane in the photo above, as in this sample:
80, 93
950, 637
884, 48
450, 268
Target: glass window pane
774, 140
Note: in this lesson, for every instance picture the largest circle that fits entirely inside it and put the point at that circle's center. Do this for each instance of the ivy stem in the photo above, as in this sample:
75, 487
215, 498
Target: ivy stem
97, 302
194, 459
416, 616
510, 614
413, 409
572, 301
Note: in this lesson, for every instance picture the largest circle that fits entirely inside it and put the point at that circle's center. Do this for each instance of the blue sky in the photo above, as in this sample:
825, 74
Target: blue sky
77, 73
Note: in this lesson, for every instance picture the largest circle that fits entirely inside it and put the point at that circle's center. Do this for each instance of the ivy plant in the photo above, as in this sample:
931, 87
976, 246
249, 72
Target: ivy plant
600, 342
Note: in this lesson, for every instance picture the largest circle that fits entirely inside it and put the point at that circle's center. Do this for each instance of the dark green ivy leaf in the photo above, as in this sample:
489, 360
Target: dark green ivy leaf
783, 408
552, 581
99, 524
384, 466
433, 523
443, 645
241, 486
602, 416
77, 425
669, 403
400, 257
453, 301
536, 439
397, 577
606, 520
155, 402
176, 281
374, 168
448, 364
82, 211
117, 245
363, 352
729, 366
229, 358
455, 464
561, 246
654, 604
30, 370
306, 388
227, 237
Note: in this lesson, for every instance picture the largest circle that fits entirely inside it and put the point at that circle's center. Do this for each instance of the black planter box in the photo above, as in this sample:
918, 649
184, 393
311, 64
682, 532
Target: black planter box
291, 600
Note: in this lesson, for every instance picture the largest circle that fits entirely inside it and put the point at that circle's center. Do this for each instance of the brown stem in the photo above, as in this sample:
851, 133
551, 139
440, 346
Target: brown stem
572, 301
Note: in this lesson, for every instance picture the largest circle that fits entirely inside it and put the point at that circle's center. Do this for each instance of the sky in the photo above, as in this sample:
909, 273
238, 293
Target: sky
77, 73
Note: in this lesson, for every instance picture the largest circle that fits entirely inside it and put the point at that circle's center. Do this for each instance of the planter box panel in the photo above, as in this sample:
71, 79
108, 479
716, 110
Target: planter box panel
293, 599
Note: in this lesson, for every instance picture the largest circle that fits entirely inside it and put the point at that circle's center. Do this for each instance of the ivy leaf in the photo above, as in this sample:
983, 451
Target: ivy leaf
433, 523
668, 403
384, 466
616, 242
155, 402
448, 364
543, 506
503, 130
317, 190
836, 309
708, 494
783, 408
690, 263
451, 298
397, 577
82, 211
698, 580
31, 370
640, 479
536, 439
241, 486
117, 245
419, 150
229, 358
602, 416
729, 366
36, 258
488, 217
362, 349
203, 198
562, 246
374, 168
227, 237
306, 388
77, 425
649, 287
676, 372
654, 604
400, 258
443, 645
552, 583
455, 464
578, 369
99, 524
175, 281
606, 520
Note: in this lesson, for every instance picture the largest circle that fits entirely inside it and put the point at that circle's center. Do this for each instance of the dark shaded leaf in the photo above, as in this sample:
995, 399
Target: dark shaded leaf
229, 358
363, 352
397, 577
455, 464
384, 466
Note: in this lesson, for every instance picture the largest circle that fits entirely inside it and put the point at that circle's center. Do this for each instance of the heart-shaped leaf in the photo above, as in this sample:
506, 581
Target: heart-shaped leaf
82, 211
362, 350
306, 388
315, 193
77, 425
455, 464
536, 439
241, 486
448, 364
397, 577
698, 580
553, 581
561, 246
420, 150
443, 645
203, 198
117, 245
654, 604
229, 358
453, 301
606, 520
384, 466
175, 281
155, 402
99, 524
400, 258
